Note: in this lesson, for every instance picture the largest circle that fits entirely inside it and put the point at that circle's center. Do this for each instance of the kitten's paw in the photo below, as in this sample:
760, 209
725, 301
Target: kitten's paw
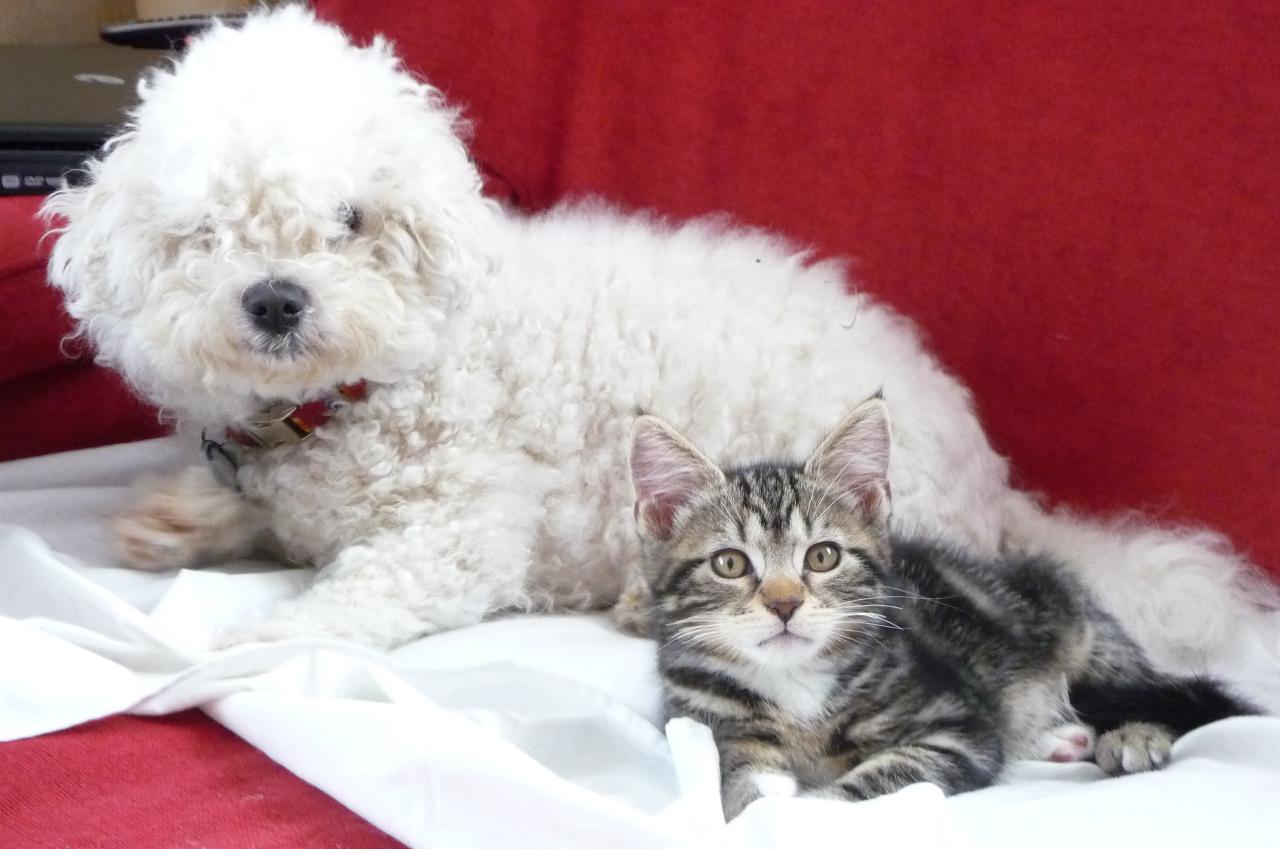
1134, 747
773, 783
735, 803
741, 791
832, 791
1067, 743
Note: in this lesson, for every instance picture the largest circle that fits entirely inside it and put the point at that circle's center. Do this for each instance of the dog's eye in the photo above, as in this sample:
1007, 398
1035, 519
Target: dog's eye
350, 217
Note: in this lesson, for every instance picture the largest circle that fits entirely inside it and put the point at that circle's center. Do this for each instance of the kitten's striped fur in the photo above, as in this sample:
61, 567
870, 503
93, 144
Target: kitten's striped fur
906, 662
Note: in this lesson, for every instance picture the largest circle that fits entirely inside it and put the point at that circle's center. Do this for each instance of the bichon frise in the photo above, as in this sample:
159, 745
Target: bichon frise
430, 397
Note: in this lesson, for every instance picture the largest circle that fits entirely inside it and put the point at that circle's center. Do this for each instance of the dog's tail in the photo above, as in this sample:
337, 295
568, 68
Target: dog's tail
1179, 704
1184, 595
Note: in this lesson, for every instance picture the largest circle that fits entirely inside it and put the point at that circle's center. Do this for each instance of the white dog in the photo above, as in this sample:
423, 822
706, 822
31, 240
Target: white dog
290, 218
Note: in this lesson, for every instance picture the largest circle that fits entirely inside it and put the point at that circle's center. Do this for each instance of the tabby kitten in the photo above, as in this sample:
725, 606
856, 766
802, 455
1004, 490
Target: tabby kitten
831, 660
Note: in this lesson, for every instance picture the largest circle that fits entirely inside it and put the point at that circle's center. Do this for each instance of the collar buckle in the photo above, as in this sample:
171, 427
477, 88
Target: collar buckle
285, 423
222, 461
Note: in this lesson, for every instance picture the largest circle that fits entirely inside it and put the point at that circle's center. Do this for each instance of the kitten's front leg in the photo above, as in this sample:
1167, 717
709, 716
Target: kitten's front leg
752, 765
952, 763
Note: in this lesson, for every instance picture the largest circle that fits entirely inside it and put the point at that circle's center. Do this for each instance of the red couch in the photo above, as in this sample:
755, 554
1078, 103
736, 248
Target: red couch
54, 398
1077, 203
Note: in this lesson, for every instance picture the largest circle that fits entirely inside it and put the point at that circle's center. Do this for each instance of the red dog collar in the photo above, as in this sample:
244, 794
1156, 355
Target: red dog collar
288, 424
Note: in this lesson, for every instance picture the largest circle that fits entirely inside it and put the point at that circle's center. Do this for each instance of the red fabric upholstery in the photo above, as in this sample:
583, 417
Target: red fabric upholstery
50, 401
1078, 204
29, 310
176, 781
1078, 208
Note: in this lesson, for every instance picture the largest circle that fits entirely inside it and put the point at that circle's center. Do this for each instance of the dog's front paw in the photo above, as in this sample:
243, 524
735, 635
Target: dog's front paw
155, 534
178, 522
309, 617
1134, 747
273, 630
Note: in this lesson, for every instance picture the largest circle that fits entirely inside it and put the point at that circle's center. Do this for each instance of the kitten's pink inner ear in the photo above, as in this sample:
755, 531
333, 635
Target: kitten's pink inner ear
854, 458
667, 472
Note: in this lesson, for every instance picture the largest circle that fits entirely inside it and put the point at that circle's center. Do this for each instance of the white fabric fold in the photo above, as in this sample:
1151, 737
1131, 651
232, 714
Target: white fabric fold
529, 731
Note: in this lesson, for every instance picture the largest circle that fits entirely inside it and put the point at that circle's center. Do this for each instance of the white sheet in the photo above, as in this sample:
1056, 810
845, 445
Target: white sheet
529, 731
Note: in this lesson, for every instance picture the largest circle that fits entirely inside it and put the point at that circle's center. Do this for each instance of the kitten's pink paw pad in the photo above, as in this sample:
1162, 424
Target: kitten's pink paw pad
1069, 744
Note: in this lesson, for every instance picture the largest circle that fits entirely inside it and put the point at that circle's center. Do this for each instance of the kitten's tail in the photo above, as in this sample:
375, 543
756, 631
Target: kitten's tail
1183, 594
1180, 704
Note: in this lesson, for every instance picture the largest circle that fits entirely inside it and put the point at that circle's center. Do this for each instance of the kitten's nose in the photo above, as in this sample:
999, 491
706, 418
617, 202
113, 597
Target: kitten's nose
784, 608
275, 305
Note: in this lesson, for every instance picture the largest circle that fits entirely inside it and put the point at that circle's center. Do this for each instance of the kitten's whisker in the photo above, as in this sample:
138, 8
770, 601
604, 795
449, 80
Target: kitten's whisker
912, 594
886, 595
939, 600
697, 618
706, 631
859, 605
876, 621
877, 640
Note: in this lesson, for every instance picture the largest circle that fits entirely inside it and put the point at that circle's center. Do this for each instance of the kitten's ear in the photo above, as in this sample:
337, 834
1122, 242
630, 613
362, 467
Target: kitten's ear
667, 473
854, 458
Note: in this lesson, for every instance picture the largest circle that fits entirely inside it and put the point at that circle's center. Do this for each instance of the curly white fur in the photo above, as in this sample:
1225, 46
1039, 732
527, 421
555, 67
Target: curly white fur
507, 356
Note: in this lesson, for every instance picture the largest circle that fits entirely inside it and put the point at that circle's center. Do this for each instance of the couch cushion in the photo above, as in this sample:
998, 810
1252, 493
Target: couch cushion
30, 311
174, 781
1079, 205
55, 399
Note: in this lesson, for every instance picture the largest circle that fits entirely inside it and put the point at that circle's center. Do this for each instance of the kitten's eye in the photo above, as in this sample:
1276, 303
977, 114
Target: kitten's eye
730, 563
822, 557
350, 217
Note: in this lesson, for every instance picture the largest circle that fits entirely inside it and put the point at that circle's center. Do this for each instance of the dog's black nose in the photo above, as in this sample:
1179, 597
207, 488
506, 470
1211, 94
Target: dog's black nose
275, 306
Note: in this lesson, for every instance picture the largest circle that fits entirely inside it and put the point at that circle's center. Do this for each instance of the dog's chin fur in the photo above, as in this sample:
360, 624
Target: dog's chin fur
506, 358
244, 164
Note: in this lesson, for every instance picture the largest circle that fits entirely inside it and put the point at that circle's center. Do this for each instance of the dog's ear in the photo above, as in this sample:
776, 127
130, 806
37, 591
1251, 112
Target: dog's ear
668, 473
103, 255
72, 255
80, 220
451, 250
447, 216
854, 459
